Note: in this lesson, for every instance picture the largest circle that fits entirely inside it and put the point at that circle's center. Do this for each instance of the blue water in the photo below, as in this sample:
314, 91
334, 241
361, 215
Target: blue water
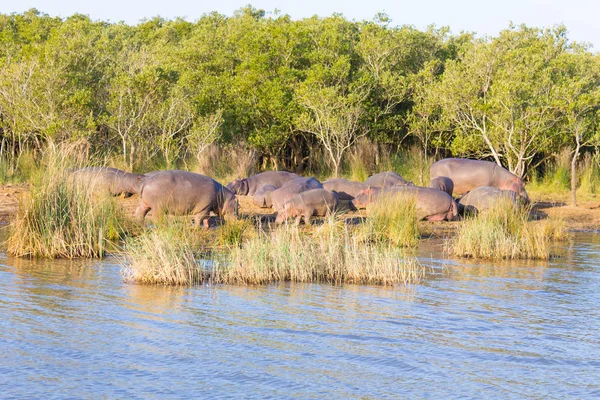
470, 330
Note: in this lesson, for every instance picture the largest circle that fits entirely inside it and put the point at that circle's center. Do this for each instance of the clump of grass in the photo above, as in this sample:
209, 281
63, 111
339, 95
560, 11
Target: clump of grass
234, 232
332, 255
556, 177
393, 220
411, 164
590, 175
62, 217
162, 256
503, 232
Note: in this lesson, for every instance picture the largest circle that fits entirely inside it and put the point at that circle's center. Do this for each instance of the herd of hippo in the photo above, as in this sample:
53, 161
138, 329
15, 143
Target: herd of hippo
480, 183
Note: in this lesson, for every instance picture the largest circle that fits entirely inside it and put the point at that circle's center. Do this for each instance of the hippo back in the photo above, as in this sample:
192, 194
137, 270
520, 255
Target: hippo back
485, 197
262, 197
182, 192
385, 179
442, 183
298, 185
346, 190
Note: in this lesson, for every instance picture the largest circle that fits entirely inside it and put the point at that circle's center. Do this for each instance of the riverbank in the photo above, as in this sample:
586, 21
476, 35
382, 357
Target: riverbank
585, 217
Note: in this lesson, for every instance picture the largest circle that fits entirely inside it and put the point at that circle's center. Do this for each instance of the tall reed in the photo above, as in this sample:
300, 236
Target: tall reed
162, 256
330, 254
503, 232
63, 217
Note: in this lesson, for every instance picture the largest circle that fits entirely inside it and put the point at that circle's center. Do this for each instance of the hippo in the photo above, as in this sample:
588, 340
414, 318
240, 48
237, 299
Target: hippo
314, 202
262, 197
186, 193
431, 204
442, 183
282, 195
468, 174
110, 180
345, 189
485, 197
249, 186
385, 179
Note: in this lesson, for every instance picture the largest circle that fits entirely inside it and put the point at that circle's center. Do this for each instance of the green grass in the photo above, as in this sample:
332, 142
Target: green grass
504, 232
393, 220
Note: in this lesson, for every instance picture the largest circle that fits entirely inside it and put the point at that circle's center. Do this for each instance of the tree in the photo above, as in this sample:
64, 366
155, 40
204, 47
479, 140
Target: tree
578, 99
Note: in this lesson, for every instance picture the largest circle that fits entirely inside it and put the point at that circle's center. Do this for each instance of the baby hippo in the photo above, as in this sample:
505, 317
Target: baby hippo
262, 197
315, 202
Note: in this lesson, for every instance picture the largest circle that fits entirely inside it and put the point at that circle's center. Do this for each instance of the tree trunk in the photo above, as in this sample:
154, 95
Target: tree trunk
574, 172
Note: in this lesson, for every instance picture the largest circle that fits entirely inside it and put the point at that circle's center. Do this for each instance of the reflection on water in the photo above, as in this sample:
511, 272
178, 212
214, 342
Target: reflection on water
474, 329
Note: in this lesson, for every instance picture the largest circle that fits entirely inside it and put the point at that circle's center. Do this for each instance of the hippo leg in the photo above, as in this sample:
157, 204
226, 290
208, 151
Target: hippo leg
141, 211
307, 218
298, 219
201, 217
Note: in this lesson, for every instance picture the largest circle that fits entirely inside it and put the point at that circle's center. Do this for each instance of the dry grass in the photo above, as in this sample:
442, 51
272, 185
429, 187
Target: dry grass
503, 232
332, 255
162, 256
329, 254
62, 217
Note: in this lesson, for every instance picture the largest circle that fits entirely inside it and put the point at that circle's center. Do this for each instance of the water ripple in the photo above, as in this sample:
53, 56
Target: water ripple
473, 329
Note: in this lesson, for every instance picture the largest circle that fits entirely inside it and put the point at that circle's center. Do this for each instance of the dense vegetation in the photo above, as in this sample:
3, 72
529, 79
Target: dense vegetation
292, 93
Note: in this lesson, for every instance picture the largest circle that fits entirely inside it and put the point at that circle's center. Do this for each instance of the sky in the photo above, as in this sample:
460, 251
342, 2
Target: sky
480, 16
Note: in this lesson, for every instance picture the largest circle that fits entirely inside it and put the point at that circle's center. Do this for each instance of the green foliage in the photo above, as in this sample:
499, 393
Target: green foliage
299, 94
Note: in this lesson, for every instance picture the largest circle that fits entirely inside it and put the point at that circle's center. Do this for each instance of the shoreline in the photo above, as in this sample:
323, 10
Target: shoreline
583, 218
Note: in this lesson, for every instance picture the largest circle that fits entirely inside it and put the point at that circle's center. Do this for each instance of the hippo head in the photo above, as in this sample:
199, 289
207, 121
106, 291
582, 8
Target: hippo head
518, 187
288, 211
239, 186
230, 209
362, 199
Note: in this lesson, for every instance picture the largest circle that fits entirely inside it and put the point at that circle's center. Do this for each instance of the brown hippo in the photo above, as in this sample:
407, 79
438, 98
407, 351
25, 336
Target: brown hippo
485, 197
110, 180
314, 202
262, 197
442, 183
432, 204
186, 193
249, 186
385, 179
345, 189
468, 174
282, 195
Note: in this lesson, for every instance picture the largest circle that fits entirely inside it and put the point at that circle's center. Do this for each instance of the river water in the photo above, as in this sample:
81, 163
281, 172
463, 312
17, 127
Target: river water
471, 330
